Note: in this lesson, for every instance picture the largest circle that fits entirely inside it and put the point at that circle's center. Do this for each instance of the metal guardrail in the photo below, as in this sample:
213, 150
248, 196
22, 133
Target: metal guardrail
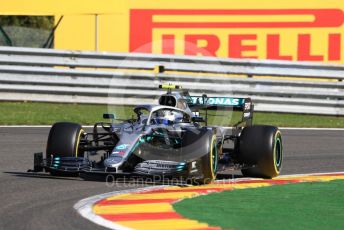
28, 74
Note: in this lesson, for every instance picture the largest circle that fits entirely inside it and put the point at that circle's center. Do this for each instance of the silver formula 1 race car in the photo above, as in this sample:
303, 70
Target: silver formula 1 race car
168, 139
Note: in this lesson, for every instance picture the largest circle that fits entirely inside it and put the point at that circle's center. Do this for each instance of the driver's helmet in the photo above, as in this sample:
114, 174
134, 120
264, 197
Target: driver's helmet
168, 117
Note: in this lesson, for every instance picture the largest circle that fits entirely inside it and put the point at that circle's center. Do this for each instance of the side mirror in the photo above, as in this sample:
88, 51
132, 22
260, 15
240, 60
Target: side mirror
111, 116
197, 119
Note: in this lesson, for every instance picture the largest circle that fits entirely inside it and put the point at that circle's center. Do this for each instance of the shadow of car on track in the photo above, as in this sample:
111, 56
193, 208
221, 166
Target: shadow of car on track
40, 175
111, 179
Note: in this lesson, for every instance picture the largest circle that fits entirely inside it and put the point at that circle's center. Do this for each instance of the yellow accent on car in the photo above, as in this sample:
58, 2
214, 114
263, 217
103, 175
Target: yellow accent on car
213, 176
78, 141
165, 86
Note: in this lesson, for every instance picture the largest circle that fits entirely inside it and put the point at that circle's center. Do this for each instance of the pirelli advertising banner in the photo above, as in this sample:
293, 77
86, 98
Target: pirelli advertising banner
301, 30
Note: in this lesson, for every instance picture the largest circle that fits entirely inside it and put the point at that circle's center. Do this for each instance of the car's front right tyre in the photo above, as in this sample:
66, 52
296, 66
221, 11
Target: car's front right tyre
63, 141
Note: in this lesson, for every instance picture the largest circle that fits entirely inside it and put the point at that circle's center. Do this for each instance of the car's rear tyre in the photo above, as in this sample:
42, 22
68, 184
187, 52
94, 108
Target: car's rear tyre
63, 141
208, 162
261, 145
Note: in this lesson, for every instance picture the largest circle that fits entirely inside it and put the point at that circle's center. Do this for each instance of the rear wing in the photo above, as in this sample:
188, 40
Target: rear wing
245, 105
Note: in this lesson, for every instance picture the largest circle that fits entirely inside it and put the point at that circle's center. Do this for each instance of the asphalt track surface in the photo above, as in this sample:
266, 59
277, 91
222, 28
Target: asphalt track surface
42, 202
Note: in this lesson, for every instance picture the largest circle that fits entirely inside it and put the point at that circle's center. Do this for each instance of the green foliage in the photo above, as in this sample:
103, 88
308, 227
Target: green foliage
40, 22
25, 31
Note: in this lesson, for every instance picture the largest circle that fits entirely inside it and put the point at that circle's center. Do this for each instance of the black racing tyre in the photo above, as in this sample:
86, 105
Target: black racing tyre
261, 145
63, 141
208, 162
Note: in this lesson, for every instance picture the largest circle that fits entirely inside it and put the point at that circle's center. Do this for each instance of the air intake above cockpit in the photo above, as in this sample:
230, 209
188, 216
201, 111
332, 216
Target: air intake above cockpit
168, 100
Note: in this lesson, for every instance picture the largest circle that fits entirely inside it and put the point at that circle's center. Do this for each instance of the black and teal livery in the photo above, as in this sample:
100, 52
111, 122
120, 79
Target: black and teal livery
167, 140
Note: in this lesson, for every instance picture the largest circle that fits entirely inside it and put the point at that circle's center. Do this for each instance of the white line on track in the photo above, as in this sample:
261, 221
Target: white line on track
25, 126
320, 129
35, 126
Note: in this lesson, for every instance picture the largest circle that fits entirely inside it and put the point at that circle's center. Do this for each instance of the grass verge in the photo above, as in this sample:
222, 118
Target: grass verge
295, 206
30, 113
